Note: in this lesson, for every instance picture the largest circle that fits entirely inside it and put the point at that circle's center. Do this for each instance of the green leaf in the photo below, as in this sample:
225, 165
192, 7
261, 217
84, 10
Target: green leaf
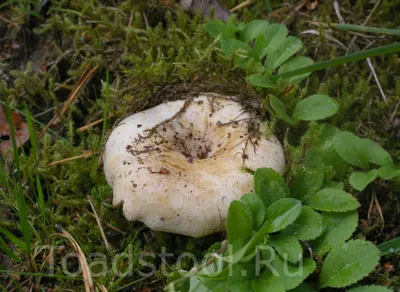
360, 152
348, 264
239, 223
290, 46
309, 179
287, 246
325, 147
293, 275
256, 206
372, 288
303, 287
196, 285
333, 185
280, 108
376, 154
295, 63
272, 192
282, 213
333, 200
267, 282
216, 28
359, 180
338, 228
388, 172
237, 50
390, 247
351, 150
260, 80
274, 37
309, 225
315, 107
253, 29
270, 186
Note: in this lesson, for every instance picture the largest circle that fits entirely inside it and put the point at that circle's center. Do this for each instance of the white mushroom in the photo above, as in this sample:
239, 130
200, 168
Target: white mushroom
176, 167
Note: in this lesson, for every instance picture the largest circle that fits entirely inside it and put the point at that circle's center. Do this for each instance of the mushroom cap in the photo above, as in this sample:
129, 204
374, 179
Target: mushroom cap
176, 167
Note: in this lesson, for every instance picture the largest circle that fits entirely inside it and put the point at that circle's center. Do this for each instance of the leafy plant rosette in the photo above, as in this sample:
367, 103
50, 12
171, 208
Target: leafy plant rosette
277, 236
282, 233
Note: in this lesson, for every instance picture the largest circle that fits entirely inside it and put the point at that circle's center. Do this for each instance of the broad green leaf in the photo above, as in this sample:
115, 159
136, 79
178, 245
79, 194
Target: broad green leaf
333, 200
315, 107
290, 46
260, 80
240, 286
274, 37
339, 227
287, 246
280, 108
390, 247
250, 247
196, 285
371, 288
309, 179
241, 276
282, 213
351, 149
256, 206
359, 180
237, 50
295, 63
253, 29
388, 172
293, 275
215, 285
360, 152
376, 154
303, 287
348, 264
183, 286
267, 282
217, 28
333, 185
325, 147
239, 224
272, 192
269, 185
309, 225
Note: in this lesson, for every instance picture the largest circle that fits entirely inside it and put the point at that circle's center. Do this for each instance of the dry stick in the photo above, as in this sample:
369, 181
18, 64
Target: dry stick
99, 223
90, 153
82, 81
108, 225
241, 5
86, 127
284, 9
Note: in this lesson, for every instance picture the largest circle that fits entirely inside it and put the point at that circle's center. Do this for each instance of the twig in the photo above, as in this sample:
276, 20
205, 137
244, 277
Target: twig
241, 5
82, 81
284, 9
103, 235
376, 78
86, 127
108, 225
90, 153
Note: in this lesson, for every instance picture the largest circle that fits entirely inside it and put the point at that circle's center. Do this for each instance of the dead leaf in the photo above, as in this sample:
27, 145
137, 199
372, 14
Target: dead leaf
20, 128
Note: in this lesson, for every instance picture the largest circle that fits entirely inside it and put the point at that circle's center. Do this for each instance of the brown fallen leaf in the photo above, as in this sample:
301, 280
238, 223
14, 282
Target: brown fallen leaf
312, 5
20, 128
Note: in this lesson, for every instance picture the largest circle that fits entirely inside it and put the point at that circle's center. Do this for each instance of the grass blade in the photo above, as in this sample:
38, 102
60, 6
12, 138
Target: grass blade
379, 51
361, 28
390, 247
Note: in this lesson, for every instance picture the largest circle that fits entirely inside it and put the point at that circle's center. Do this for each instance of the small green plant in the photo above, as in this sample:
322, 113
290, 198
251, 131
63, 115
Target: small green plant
264, 50
270, 233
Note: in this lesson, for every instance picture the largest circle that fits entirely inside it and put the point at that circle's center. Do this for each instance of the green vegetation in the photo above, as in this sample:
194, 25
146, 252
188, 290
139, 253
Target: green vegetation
142, 53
